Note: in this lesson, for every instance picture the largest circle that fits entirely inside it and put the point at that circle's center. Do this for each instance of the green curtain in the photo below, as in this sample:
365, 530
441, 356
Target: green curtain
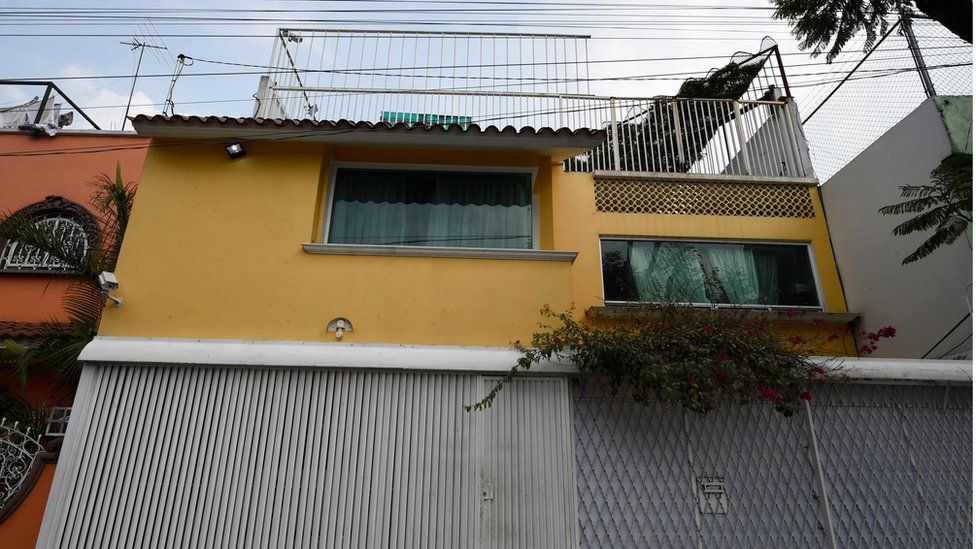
368, 209
735, 269
483, 210
490, 212
767, 277
667, 272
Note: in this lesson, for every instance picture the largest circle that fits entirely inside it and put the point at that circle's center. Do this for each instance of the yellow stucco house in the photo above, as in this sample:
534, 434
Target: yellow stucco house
307, 306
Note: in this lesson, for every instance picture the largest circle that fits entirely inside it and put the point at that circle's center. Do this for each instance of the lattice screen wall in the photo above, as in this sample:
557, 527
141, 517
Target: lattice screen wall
896, 462
622, 195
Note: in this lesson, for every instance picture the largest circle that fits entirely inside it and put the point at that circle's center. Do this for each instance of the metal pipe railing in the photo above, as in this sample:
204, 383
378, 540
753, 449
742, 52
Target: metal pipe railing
655, 134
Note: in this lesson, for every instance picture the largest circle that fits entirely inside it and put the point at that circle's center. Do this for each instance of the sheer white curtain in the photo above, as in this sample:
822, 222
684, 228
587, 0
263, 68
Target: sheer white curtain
667, 272
735, 269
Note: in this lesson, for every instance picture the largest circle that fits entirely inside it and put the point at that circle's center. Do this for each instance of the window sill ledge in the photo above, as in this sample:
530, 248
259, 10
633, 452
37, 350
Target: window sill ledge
642, 311
431, 251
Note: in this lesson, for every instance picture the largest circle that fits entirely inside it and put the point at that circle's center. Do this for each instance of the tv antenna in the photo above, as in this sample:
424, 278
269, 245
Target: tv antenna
141, 46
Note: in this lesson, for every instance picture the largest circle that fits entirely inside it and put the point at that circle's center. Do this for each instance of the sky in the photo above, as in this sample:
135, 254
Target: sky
620, 29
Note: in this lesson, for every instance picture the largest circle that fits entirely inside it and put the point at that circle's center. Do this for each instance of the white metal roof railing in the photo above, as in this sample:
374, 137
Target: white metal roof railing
655, 134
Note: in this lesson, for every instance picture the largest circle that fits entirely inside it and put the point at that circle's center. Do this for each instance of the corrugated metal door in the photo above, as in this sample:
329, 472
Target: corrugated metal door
234, 457
528, 490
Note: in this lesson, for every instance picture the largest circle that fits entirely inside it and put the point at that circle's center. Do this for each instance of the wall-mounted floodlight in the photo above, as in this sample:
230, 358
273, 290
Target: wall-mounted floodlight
235, 150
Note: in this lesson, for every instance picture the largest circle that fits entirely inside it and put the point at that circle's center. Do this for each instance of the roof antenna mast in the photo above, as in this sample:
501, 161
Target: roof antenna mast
141, 46
181, 61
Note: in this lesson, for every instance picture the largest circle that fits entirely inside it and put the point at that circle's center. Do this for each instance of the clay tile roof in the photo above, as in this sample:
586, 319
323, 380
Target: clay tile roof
13, 329
343, 124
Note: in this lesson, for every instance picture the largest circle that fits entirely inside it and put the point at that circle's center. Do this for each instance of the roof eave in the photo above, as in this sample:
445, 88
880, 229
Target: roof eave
557, 144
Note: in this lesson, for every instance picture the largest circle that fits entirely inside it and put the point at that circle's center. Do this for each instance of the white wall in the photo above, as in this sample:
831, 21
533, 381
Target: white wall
925, 299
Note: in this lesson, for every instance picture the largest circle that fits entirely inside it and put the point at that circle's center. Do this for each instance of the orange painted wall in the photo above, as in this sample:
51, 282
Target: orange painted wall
25, 180
19, 530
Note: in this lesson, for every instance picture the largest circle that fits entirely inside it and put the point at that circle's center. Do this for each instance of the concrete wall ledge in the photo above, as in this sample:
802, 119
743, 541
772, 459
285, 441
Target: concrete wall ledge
436, 251
491, 360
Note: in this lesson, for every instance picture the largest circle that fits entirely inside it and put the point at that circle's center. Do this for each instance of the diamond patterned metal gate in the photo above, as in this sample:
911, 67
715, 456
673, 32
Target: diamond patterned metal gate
895, 461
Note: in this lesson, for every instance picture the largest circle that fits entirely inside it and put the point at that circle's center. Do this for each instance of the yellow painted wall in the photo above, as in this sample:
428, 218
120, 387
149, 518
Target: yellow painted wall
579, 226
213, 251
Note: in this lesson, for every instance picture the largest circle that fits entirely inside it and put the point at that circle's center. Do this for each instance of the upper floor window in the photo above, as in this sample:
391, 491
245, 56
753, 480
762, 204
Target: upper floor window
750, 274
20, 256
431, 208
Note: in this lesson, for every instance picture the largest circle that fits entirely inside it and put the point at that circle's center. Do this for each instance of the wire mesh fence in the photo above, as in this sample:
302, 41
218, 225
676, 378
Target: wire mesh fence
872, 92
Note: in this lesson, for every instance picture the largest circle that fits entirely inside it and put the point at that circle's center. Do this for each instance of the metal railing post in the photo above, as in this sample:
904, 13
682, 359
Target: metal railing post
791, 130
614, 136
562, 113
741, 131
676, 124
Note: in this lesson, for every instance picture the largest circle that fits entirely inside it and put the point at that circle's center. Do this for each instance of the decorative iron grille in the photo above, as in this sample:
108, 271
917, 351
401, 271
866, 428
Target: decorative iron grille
620, 195
18, 450
16, 255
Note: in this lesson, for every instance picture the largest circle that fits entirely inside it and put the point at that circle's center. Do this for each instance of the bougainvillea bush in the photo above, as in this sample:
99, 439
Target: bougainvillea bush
692, 356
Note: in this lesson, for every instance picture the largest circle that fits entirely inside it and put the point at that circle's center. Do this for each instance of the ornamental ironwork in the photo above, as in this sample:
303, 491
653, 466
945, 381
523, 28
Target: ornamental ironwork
18, 451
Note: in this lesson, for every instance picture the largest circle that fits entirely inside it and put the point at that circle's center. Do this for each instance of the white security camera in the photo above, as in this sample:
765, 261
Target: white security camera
108, 282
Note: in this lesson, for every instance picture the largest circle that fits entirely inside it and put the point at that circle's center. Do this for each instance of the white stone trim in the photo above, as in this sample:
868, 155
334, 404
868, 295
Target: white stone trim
436, 251
237, 352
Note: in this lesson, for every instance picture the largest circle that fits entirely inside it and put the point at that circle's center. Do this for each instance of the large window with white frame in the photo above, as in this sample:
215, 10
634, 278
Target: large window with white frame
750, 274
398, 207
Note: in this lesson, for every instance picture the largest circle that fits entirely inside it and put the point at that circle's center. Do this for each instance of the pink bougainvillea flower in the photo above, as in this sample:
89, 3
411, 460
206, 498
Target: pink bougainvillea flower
790, 314
833, 337
796, 340
767, 393
691, 381
818, 370
819, 320
805, 395
887, 331
720, 374
866, 349
707, 329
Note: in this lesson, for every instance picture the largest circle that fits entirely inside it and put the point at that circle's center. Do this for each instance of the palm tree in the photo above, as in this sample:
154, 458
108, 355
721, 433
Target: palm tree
946, 205
59, 345
818, 22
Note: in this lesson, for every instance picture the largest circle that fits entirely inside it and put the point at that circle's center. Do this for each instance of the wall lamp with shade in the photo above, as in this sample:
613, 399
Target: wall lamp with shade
235, 150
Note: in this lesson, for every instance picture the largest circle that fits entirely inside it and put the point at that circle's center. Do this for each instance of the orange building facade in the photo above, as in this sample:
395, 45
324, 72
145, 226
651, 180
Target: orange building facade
48, 176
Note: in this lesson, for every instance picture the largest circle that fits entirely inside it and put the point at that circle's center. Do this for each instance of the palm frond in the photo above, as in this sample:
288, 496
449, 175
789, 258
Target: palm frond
944, 236
945, 205
914, 205
924, 221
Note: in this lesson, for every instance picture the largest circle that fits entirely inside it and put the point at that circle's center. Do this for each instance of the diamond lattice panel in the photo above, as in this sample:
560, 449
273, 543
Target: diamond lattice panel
620, 195
896, 461
637, 469
633, 475
769, 477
